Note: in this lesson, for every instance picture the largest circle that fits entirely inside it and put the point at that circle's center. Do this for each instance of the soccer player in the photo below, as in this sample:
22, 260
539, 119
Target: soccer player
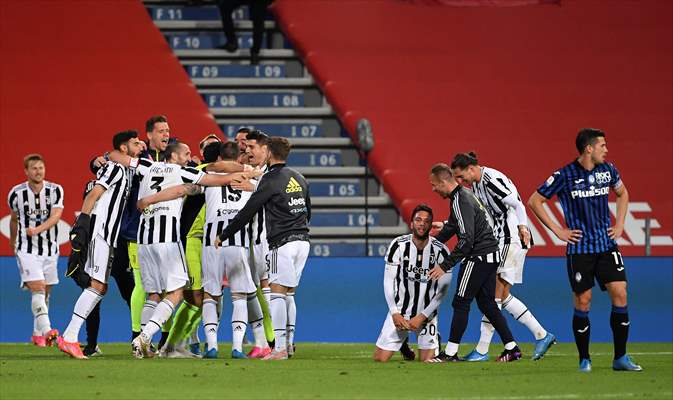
283, 193
241, 140
36, 207
161, 256
479, 257
101, 213
592, 253
411, 296
500, 197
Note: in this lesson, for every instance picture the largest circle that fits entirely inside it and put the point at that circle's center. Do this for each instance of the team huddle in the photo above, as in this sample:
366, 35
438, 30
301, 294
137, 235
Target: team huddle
239, 217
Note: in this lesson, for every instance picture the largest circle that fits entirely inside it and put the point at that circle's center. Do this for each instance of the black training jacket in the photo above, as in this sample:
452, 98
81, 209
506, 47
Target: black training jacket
283, 192
470, 222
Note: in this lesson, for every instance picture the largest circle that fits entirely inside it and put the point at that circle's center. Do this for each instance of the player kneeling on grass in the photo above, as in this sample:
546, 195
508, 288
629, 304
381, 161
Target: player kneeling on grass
412, 297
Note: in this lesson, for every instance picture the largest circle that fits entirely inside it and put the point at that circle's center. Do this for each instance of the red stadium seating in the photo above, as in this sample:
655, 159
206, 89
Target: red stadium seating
513, 83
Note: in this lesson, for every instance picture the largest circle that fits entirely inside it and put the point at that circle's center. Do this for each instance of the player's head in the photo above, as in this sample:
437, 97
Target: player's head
229, 151
158, 132
421, 221
127, 142
178, 153
279, 148
212, 138
33, 165
257, 147
465, 168
442, 180
591, 143
241, 137
211, 152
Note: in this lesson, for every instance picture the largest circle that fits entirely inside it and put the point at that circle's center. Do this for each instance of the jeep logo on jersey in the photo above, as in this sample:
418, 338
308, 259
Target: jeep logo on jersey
296, 202
293, 186
417, 270
602, 177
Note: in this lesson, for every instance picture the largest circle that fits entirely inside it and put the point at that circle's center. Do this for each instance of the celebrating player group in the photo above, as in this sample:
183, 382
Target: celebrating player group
174, 230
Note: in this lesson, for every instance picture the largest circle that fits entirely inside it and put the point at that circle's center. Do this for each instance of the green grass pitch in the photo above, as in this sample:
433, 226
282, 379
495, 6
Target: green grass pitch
331, 371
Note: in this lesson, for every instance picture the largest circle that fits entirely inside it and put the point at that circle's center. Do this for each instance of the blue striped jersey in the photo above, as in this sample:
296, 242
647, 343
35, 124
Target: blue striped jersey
584, 199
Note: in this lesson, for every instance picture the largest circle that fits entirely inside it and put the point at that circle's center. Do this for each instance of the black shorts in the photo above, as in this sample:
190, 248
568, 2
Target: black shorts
605, 267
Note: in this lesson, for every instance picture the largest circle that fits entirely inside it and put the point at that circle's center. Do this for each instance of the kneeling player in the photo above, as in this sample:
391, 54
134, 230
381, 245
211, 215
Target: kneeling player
412, 298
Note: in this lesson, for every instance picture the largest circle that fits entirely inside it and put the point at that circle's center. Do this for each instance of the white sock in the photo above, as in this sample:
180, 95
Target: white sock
510, 345
522, 314
487, 331
162, 313
210, 320
239, 316
451, 348
279, 320
38, 305
85, 303
266, 292
148, 310
291, 317
256, 320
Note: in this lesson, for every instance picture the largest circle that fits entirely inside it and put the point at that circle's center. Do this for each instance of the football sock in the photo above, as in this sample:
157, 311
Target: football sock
256, 320
210, 320
619, 322
162, 313
279, 320
264, 297
582, 331
521, 313
40, 310
510, 345
487, 331
239, 318
291, 317
451, 348
137, 302
85, 303
148, 310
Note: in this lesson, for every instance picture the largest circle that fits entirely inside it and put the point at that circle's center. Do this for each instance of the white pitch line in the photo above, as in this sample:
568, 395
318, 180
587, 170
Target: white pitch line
565, 396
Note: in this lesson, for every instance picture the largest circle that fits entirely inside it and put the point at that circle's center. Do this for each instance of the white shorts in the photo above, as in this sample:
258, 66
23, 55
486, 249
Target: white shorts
229, 260
259, 266
162, 267
286, 263
511, 267
37, 268
99, 262
391, 339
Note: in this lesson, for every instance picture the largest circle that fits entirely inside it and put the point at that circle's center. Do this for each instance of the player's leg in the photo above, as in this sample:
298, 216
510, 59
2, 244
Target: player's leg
213, 267
465, 292
291, 320
428, 340
32, 277
240, 284
261, 273
581, 271
256, 322
92, 329
138, 295
611, 276
389, 341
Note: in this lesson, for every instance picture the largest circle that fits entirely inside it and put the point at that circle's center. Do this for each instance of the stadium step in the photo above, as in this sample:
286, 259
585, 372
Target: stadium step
279, 96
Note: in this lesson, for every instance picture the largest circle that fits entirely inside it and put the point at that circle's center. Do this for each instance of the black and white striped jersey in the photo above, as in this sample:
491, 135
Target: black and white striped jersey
33, 209
160, 223
222, 204
107, 213
491, 191
257, 230
412, 288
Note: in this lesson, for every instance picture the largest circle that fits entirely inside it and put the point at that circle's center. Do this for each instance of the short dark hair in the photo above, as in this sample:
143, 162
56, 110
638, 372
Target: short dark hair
464, 160
279, 147
261, 137
211, 152
587, 136
123, 137
210, 136
243, 129
149, 125
421, 207
31, 157
229, 151
441, 171
172, 148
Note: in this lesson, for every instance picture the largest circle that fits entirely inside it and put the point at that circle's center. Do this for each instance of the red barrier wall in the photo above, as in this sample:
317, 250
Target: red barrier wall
513, 83
72, 74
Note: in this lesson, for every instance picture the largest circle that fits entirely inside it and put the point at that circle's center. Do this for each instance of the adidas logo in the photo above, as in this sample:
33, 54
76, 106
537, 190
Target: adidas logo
293, 186
238, 328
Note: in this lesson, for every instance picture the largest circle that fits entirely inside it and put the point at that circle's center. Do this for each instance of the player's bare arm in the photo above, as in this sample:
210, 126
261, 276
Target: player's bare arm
175, 192
225, 166
615, 232
53, 219
91, 199
401, 323
13, 226
535, 203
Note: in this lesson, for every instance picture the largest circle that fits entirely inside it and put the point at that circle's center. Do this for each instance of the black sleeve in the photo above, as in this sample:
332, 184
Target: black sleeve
464, 212
308, 206
447, 231
255, 203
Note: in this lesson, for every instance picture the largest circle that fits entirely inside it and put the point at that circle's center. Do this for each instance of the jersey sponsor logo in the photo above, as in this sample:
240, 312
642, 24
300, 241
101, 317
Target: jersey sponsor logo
592, 192
417, 270
293, 186
33, 212
152, 210
296, 202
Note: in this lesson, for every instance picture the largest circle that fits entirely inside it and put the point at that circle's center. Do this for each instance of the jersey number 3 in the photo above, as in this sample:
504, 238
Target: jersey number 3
157, 183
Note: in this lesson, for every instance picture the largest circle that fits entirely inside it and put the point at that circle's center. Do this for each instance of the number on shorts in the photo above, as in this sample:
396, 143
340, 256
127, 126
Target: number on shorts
429, 328
618, 258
